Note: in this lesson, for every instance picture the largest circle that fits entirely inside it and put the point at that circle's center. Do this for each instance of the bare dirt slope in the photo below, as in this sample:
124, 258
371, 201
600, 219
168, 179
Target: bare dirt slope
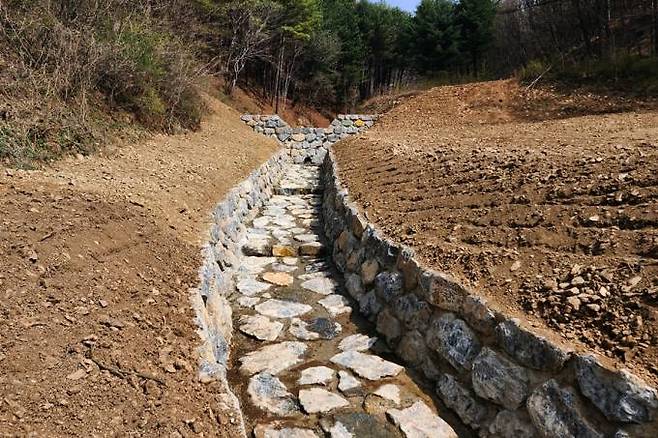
545, 203
97, 254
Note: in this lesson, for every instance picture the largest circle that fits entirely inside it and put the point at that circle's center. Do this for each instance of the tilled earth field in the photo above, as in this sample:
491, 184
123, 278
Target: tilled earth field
549, 212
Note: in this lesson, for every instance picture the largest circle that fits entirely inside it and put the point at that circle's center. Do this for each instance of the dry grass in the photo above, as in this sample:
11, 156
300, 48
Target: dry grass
72, 70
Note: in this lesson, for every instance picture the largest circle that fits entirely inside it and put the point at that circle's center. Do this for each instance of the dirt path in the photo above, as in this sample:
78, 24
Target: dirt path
553, 217
96, 257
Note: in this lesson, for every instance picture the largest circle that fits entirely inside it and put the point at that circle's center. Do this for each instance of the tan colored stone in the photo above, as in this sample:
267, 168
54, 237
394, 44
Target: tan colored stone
278, 278
284, 251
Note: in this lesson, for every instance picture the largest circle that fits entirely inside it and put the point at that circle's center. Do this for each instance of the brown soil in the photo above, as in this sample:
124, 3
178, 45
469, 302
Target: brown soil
97, 255
549, 212
295, 114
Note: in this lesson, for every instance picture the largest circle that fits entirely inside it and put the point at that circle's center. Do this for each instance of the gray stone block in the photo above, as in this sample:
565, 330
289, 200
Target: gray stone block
555, 412
528, 348
389, 285
458, 398
453, 340
498, 379
512, 424
618, 394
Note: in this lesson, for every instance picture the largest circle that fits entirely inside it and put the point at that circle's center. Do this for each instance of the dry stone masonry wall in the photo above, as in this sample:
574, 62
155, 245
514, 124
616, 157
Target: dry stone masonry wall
220, 259
502, 379
307, 144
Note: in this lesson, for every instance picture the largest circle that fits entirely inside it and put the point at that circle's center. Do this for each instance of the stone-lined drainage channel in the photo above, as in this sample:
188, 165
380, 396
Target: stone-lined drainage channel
304, 363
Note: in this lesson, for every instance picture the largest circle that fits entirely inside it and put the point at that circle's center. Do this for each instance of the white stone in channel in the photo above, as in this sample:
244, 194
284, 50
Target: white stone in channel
254, 264
260, 222
260, 327
389, 392
273, 358
347, 381
366, 365
336, 304
251, 286
290, 261
270, 394
316, 400
340, 431
268, 431
357, 342
320, 285
282, 309
418, 421
306, 238
248, 302
298, 329
316, 376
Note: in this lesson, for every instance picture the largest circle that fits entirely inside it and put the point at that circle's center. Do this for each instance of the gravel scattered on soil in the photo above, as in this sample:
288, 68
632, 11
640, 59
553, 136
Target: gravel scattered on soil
550, 216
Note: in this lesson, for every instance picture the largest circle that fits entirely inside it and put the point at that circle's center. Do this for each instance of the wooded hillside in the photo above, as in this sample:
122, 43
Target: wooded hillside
72, 70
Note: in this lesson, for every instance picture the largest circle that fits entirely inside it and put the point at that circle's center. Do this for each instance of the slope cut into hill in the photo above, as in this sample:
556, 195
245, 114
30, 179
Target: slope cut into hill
544, 203
97, 255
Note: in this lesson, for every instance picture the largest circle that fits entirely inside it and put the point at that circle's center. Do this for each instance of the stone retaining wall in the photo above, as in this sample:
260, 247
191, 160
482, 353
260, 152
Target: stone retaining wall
501, 378
309, 144
220, 257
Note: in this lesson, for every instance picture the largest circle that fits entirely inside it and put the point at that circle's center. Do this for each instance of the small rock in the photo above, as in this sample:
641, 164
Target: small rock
282, 309
347, 381
368, 366
357, 342
316, 400
284, 251
273, 358
336, 304
418, 421
574, 302
515, 266
389, 392
270, 394
260, 327
316, 376
320, 285
278, 278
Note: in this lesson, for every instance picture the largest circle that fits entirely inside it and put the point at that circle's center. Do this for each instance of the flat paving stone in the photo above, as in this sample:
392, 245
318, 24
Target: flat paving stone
278, 278
282, 309
339, 431
357, 342
280, 267
273, 358
389, 392
251, 286
260, 327
261, 221
320, 285
362, 425
268, 393
248, 302
315, 400
366, 365
268, 431
299, 329
316, 376
347, 381
257, 247
290, 261
326, 328
254, 264
306, 238
418, 421
336, 304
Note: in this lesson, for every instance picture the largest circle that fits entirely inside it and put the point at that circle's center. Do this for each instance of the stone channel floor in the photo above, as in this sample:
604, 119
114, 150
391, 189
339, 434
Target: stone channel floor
304, 366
